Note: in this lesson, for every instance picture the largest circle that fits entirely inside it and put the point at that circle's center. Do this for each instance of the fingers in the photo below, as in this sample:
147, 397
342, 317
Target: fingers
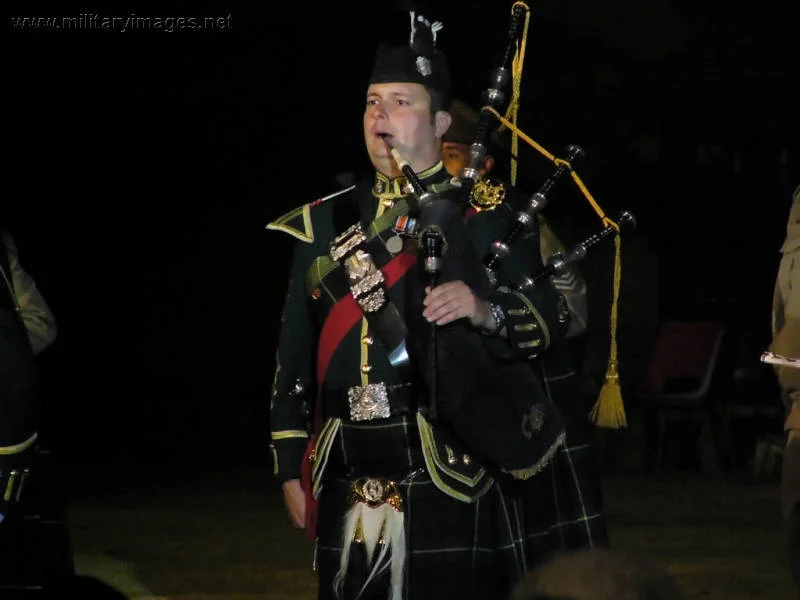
299, 519
295, 500
448, 302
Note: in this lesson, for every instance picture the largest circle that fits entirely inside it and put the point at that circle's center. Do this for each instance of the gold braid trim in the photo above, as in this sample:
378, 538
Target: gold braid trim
529, 472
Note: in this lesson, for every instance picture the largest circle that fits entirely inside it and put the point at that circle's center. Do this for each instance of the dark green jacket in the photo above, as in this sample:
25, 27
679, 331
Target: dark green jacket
536, 320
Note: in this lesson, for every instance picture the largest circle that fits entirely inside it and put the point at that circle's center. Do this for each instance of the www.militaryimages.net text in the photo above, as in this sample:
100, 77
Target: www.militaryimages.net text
93, 21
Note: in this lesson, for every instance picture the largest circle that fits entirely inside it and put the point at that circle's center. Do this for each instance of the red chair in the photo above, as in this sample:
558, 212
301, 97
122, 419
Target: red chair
681, 382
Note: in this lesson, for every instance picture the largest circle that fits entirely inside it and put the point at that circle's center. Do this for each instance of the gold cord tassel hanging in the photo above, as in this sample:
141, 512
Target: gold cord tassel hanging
512, 113
609, 410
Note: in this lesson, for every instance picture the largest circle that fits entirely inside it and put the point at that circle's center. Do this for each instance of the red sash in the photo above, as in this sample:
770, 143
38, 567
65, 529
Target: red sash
346, 313
343, 316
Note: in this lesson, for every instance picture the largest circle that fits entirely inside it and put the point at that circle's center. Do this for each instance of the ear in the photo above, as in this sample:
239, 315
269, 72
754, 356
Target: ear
488, 165
441, 122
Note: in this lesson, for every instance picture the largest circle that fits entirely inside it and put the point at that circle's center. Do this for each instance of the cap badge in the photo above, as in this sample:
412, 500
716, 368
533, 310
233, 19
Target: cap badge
487, 194
423, 66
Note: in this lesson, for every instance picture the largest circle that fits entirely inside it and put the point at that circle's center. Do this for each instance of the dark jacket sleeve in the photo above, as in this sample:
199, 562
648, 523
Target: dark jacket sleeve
536, 316
569, 282
40, 324
293, 384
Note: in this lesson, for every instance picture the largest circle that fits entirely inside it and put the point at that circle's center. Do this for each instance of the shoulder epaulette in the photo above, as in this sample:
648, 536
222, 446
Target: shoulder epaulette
297, 222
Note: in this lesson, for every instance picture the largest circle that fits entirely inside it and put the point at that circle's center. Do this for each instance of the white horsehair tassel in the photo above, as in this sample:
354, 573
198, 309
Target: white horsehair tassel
374, 521
435, 28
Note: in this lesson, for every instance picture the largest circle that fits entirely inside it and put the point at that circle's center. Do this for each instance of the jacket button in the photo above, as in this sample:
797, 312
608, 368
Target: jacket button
366, 368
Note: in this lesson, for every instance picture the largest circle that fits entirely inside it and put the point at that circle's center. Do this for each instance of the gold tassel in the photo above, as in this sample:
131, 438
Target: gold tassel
512, 112
609, 410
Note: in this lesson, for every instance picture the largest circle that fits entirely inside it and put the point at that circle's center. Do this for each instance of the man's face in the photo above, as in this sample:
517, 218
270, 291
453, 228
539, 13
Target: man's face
399, 115
455, 157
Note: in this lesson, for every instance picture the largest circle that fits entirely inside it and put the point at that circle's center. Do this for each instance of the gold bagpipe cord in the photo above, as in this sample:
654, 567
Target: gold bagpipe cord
609, 409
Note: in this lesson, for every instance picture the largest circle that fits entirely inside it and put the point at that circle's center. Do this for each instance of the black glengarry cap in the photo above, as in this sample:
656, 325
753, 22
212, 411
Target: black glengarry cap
417, 62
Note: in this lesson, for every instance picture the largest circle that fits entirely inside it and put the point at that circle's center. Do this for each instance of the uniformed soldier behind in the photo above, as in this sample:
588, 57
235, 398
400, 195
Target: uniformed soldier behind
572, 486
34, 539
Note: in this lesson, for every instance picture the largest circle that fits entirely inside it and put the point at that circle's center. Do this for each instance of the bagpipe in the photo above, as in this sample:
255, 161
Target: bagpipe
497, 407
608, 411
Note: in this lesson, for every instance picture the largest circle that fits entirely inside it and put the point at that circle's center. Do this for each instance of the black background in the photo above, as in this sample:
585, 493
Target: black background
144, 164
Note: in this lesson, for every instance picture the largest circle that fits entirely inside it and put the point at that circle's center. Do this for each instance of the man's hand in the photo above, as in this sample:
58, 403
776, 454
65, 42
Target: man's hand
455, 300
295, 500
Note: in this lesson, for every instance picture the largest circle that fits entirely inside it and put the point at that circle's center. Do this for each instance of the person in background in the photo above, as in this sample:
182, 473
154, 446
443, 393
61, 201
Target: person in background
27, 328
576, 470
786, 342
455, 156
32, 548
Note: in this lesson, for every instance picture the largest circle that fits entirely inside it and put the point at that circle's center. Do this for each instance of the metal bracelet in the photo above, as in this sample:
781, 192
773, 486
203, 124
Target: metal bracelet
499, 319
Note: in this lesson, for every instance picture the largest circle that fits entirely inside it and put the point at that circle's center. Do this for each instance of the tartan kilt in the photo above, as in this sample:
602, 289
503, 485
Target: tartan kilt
563, 504
470, 551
